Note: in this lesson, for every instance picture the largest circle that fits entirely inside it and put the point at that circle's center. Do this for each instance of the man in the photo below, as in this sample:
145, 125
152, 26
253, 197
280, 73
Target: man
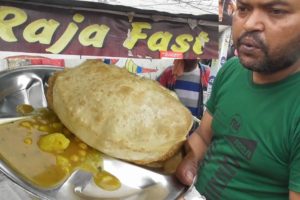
248, 142
221, 7
188, 79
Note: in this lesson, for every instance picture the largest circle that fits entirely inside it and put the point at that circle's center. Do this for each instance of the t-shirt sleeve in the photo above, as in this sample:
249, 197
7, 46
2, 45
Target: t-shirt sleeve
294, 182
211, 102
205, 75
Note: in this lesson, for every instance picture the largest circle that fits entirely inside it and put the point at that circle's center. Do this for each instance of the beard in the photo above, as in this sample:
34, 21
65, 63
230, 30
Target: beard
268, 63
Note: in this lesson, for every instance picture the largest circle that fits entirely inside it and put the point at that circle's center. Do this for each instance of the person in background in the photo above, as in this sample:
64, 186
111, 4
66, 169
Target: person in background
248, 143
221, 10
231, 52
188, 78
226, 10
231, 7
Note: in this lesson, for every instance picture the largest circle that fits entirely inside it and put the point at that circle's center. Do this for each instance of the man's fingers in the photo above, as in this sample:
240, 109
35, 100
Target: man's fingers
186, 170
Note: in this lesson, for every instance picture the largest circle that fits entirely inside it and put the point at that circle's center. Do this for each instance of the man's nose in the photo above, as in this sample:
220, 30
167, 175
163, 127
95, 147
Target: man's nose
255, 21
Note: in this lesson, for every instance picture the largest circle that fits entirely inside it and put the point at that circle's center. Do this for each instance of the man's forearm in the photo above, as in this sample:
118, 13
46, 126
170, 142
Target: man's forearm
200, 139
198, 145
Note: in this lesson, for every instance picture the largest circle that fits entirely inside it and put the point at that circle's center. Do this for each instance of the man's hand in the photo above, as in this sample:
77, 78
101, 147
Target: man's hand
197, 145
187, 169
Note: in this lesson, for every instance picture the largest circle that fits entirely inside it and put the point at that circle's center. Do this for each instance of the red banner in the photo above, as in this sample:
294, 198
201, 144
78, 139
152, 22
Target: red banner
55, 30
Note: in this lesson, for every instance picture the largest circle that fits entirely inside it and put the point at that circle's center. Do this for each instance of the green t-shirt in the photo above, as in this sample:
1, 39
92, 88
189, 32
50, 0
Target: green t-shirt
255, 150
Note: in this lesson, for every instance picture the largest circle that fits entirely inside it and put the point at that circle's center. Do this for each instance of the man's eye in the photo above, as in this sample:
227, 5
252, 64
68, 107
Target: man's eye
242, 9
276, 11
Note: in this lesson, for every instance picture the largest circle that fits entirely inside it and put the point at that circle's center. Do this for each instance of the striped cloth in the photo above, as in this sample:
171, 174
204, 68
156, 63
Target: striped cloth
187, 88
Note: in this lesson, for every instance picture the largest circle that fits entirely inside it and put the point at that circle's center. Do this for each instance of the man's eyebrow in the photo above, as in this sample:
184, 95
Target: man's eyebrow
278, 2
241, 2
270, 3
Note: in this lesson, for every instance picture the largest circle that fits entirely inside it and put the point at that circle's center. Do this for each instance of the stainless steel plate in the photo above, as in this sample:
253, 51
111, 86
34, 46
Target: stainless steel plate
28, 85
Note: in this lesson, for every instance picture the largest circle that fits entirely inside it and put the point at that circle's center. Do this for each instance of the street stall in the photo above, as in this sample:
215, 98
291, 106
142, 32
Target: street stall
39, 38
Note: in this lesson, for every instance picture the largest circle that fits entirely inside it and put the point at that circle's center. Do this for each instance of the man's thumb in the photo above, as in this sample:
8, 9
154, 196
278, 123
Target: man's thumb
186, 170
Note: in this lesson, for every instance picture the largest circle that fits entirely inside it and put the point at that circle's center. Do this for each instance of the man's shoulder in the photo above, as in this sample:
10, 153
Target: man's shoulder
168, 70
165, 76
231, 65
233, 62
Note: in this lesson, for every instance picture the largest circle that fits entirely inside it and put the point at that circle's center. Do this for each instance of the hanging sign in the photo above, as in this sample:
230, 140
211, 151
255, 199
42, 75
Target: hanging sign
60, 30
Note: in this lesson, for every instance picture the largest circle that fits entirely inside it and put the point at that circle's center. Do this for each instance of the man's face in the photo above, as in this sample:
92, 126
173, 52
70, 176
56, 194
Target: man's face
190, 64
266, 34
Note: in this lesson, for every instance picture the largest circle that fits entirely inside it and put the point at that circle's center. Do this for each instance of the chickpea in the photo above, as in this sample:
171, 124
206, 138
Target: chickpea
74, 158
82, 153
57, 125
43, 121
26, 124
44, 128
82, 145
28, 141
24, 108
62, 161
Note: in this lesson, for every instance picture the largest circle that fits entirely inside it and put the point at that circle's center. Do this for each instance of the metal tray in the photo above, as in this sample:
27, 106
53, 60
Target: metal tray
28, 85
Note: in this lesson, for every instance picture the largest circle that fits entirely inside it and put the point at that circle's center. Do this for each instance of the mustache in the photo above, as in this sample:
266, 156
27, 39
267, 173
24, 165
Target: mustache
254, 36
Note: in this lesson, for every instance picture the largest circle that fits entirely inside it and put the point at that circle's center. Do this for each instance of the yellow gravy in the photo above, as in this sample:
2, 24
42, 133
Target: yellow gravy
43, 151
